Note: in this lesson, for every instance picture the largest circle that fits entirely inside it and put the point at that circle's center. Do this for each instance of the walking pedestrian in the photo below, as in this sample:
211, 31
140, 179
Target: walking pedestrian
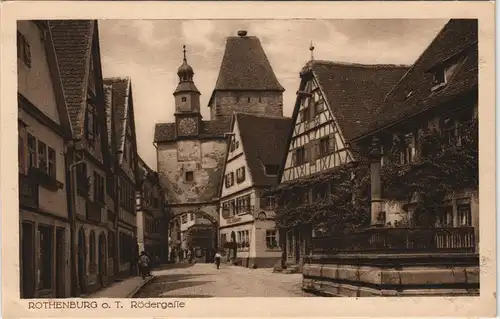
217, 259
143, 265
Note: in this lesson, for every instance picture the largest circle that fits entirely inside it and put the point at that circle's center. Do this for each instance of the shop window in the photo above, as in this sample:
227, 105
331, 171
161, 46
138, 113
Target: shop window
271, 239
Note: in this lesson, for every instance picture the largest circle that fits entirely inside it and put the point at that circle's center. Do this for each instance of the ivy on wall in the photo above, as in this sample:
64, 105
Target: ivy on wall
441, 167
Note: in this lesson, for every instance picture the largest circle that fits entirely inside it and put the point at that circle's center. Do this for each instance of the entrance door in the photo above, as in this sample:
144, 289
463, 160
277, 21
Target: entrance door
60, 262
28, 260
81, 261
102, 259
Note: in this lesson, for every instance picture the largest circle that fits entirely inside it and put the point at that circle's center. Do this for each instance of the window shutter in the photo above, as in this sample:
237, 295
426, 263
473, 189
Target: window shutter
294, 157
242, 174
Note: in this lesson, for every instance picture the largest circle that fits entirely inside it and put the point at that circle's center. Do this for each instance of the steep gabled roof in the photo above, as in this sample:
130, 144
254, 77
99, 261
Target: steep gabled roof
353, 90
245, 67
121, 90
263, 139
166, 132
73, 46
413, 94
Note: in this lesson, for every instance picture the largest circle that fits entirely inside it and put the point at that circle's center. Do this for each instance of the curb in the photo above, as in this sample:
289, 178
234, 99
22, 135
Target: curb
131, 295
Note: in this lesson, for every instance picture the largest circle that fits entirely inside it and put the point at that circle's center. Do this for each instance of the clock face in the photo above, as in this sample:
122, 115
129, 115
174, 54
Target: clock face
187, 126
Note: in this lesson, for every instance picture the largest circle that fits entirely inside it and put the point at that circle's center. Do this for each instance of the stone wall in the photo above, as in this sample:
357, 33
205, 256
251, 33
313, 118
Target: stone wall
255, 102
393, 275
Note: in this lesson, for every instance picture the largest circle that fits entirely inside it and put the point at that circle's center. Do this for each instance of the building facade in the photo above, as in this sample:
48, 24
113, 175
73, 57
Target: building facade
191, 151
332, 106
420, 150
247, 229
44, 130
77, 49
126, 170
152, 219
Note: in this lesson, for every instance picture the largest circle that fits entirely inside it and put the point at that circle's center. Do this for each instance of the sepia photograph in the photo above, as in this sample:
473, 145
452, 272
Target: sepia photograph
180, 159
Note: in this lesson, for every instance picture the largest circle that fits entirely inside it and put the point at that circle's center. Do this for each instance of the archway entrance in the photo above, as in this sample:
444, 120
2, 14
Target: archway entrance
102, 259
82, 261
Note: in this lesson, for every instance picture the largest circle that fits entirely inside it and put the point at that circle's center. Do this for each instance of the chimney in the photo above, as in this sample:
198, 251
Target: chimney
242, 33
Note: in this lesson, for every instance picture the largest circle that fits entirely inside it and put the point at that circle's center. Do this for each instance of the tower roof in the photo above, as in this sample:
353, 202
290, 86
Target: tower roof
245, 66
185, 73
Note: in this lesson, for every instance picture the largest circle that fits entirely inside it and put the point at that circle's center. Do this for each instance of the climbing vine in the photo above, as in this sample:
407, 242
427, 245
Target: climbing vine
443, 165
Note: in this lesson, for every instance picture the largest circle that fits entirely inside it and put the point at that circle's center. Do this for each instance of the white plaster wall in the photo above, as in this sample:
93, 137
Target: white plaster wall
35, 82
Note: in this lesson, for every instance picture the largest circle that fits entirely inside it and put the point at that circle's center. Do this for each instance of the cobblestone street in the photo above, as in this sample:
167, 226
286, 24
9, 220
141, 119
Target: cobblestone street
204, 280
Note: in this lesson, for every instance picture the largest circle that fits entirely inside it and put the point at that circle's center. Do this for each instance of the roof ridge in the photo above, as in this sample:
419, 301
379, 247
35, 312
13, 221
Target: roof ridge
261, 115
357, 64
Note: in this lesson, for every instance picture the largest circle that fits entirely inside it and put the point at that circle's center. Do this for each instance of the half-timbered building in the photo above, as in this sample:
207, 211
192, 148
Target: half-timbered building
247, 228
421, 148
332, 106
126, 170
76, 45
44, 130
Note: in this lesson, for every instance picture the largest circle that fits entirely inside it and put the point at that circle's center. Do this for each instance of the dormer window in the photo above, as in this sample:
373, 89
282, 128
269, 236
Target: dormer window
271, 170
443, 73
184, 99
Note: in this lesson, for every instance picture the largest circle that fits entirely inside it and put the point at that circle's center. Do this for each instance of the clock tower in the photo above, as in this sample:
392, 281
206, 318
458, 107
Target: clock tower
187, 102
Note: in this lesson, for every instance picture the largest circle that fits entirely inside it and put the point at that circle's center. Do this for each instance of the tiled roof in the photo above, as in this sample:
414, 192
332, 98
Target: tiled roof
353, 90
165, 132
72, 43
245, 67
413, 94
120, 93
264, 142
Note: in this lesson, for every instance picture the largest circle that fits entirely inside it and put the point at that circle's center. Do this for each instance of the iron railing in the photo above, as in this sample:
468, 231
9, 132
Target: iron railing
398, 240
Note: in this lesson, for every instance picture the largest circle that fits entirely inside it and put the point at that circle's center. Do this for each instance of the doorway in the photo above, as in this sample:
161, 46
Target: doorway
28, 260
81, 260
101, 259
60, 262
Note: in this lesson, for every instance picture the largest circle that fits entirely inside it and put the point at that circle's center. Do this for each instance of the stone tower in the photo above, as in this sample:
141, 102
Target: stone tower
246, 81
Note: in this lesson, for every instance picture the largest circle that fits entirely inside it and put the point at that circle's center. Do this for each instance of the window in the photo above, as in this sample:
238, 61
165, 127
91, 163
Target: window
260, 99
248, 100
92, 123
184, 99
42, 156
81, 177
240, 174
448, 130
223, 238
243, 239
23, 49
300, 155
127, 195
51, 162
439, 77
46, 256
243, 204
270, 201
324, 146
271, 239
184, 218
234, 145
464, 215
271, 170
191, 216
304, 115
110, 185
229, 179
445, 217
189, 176
20, 150
98, 188
406, 156
31, 151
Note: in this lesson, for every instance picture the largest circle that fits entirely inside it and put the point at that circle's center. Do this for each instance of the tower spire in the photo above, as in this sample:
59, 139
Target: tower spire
184, 51
311, 48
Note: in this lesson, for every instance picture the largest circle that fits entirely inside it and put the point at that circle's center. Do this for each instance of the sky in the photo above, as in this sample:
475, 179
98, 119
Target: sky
150, 51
